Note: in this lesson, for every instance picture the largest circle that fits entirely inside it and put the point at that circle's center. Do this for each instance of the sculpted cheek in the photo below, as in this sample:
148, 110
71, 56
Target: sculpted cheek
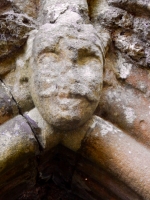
68, 77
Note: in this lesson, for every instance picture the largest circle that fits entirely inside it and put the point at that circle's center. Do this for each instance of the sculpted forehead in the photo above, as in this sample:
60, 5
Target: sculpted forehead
48, 39
66, 73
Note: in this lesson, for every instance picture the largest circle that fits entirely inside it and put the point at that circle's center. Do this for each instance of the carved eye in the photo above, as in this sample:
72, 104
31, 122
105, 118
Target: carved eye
45, 58
85, 56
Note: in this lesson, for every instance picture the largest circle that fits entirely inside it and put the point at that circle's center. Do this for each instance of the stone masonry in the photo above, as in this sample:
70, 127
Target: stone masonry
75, 98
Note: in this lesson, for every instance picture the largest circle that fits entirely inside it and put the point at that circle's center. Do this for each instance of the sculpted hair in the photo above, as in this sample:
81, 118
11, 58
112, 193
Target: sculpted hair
49, 36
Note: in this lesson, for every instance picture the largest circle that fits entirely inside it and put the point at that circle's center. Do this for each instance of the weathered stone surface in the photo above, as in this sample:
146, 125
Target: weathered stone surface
17, 157
95, 8
132, 48
62, 64
105, 184
129, 109
16, 20
18, 84
6, 65
86, 188
49, 137
125, 151
130, 34
66, 72
120, 154
82, 176
19, 6
29, 7
17, 142
18, 179
73, 139
115, 18
141, 26
44, 132
13, 31
18, 80
50, 11
8, 107
139, 78
139, 7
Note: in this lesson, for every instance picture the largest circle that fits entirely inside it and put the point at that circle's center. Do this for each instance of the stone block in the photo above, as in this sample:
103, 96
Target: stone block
102, 179
129, 109
139, 78
8, 107
14, 29
87, 188
17, 158
139, 7
119, 154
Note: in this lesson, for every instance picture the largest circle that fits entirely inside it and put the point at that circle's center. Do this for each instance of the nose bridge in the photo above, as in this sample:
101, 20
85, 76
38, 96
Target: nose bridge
72, 52
75, 74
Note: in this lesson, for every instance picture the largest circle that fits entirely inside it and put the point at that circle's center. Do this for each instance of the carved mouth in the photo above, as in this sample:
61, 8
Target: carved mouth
70, 96
75, 98
67, 103
89, 96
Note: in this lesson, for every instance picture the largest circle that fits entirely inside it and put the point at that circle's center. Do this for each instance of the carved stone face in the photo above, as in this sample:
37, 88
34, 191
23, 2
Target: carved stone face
66, 77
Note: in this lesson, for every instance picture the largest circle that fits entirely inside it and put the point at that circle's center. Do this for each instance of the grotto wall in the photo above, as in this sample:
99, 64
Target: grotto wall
75, 97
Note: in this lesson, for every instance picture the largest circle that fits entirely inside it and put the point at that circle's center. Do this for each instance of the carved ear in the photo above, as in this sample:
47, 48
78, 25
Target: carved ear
28, 58
29, 45
14, 29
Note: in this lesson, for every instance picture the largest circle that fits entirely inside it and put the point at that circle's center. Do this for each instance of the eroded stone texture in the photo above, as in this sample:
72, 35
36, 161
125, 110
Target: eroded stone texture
63, 66
120, 154
99, 184
44, 132
139, 7
17, 157
139, 79
16, 138
129, 109
128, 22
19, 6
16, 21
29, 7
50, 11
66, 72
13, 31
8, 107
18, 80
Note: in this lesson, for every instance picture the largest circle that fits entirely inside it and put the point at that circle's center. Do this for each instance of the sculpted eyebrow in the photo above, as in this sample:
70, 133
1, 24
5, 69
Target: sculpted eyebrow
47, 49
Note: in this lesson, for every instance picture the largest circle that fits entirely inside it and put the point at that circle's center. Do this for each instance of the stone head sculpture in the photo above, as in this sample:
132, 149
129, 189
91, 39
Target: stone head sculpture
66, 73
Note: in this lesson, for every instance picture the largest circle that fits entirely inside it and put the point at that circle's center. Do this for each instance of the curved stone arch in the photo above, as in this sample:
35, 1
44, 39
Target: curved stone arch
124, 104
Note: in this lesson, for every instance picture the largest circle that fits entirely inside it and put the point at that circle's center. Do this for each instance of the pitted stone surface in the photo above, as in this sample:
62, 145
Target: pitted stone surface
66, 72
139, 7
51, 10
8, 107
119, 153
16, 141
75, 48
14, 30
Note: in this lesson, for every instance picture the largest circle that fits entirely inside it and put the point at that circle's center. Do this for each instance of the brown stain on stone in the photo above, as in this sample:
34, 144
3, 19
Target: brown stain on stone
140, 79
92, 4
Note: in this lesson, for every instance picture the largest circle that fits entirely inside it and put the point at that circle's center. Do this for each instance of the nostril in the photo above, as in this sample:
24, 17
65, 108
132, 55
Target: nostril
77, 81
63, 95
